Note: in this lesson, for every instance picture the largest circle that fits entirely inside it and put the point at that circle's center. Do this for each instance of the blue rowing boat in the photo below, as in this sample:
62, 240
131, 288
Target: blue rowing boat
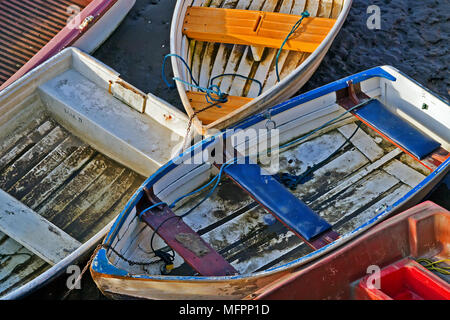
280, 189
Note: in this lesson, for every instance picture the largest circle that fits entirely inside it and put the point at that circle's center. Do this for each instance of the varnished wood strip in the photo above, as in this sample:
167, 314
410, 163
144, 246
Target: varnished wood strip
198, 102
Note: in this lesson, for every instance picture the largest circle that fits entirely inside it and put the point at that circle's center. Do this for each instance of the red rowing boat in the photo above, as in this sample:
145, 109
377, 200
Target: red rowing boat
403, 258
31, 31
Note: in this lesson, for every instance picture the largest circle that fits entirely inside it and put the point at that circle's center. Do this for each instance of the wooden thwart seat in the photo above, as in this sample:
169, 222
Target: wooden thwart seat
186, 242
198, 102
256, 28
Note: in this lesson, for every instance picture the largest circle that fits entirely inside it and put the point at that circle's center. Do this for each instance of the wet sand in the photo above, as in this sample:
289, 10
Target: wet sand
414, 38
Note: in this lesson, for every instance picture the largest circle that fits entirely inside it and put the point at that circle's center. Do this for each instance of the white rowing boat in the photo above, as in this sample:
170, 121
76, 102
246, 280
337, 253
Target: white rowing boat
229, 37
76, 141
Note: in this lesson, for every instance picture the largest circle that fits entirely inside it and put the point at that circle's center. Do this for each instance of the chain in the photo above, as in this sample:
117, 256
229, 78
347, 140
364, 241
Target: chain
191, 118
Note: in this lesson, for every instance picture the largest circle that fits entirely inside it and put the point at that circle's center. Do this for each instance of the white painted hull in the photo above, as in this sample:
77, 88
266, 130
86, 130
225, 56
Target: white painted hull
272, 95
89, 103
102, 30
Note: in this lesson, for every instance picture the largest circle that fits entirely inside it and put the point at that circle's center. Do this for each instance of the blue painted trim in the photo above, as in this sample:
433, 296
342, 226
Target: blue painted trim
314, 94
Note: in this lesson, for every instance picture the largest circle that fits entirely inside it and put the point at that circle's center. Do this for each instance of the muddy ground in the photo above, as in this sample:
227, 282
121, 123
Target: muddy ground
414, 38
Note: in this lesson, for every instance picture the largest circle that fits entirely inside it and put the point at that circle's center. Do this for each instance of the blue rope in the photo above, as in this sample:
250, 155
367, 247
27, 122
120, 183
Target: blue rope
304, 14
212, 90
217, 178
240, 76
150, 208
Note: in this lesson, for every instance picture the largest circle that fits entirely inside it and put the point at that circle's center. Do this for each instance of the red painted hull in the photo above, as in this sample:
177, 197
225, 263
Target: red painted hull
34, 30
392, 246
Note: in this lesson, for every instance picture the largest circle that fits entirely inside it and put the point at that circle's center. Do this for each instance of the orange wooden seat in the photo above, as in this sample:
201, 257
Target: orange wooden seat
198, 102
256, 28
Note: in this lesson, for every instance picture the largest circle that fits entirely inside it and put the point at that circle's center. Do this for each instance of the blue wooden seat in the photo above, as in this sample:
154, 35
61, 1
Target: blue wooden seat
275, 198
396, 129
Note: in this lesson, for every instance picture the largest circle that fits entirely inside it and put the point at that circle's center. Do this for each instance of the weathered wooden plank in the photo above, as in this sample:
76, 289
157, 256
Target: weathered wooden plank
337, 8
25, 142
216, 64
359, 175
363, 142
58, 176
325, 8
330, 175
33, 231
20, 131
404, 173
238, 51
33, 156
109, 206
28, 270
43, 168
79, 211
389, 199
57, 203
266, 70
12, 254
90, 184
355, 196
247, 61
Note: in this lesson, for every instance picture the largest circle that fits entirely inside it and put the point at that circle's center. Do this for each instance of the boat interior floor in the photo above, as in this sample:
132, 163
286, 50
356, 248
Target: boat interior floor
352, 186
50, 172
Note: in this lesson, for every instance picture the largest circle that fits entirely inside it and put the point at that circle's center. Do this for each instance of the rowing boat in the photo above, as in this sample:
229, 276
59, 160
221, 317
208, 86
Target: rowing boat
280, 189
32, 31
233, 48
76, 141
404, 258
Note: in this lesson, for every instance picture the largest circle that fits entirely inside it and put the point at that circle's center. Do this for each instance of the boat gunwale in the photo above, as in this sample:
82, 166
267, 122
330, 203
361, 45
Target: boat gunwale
321, 50
104, 268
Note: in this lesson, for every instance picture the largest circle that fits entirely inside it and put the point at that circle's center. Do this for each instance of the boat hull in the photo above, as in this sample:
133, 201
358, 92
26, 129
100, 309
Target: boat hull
115, 280
279, 92
192, 288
